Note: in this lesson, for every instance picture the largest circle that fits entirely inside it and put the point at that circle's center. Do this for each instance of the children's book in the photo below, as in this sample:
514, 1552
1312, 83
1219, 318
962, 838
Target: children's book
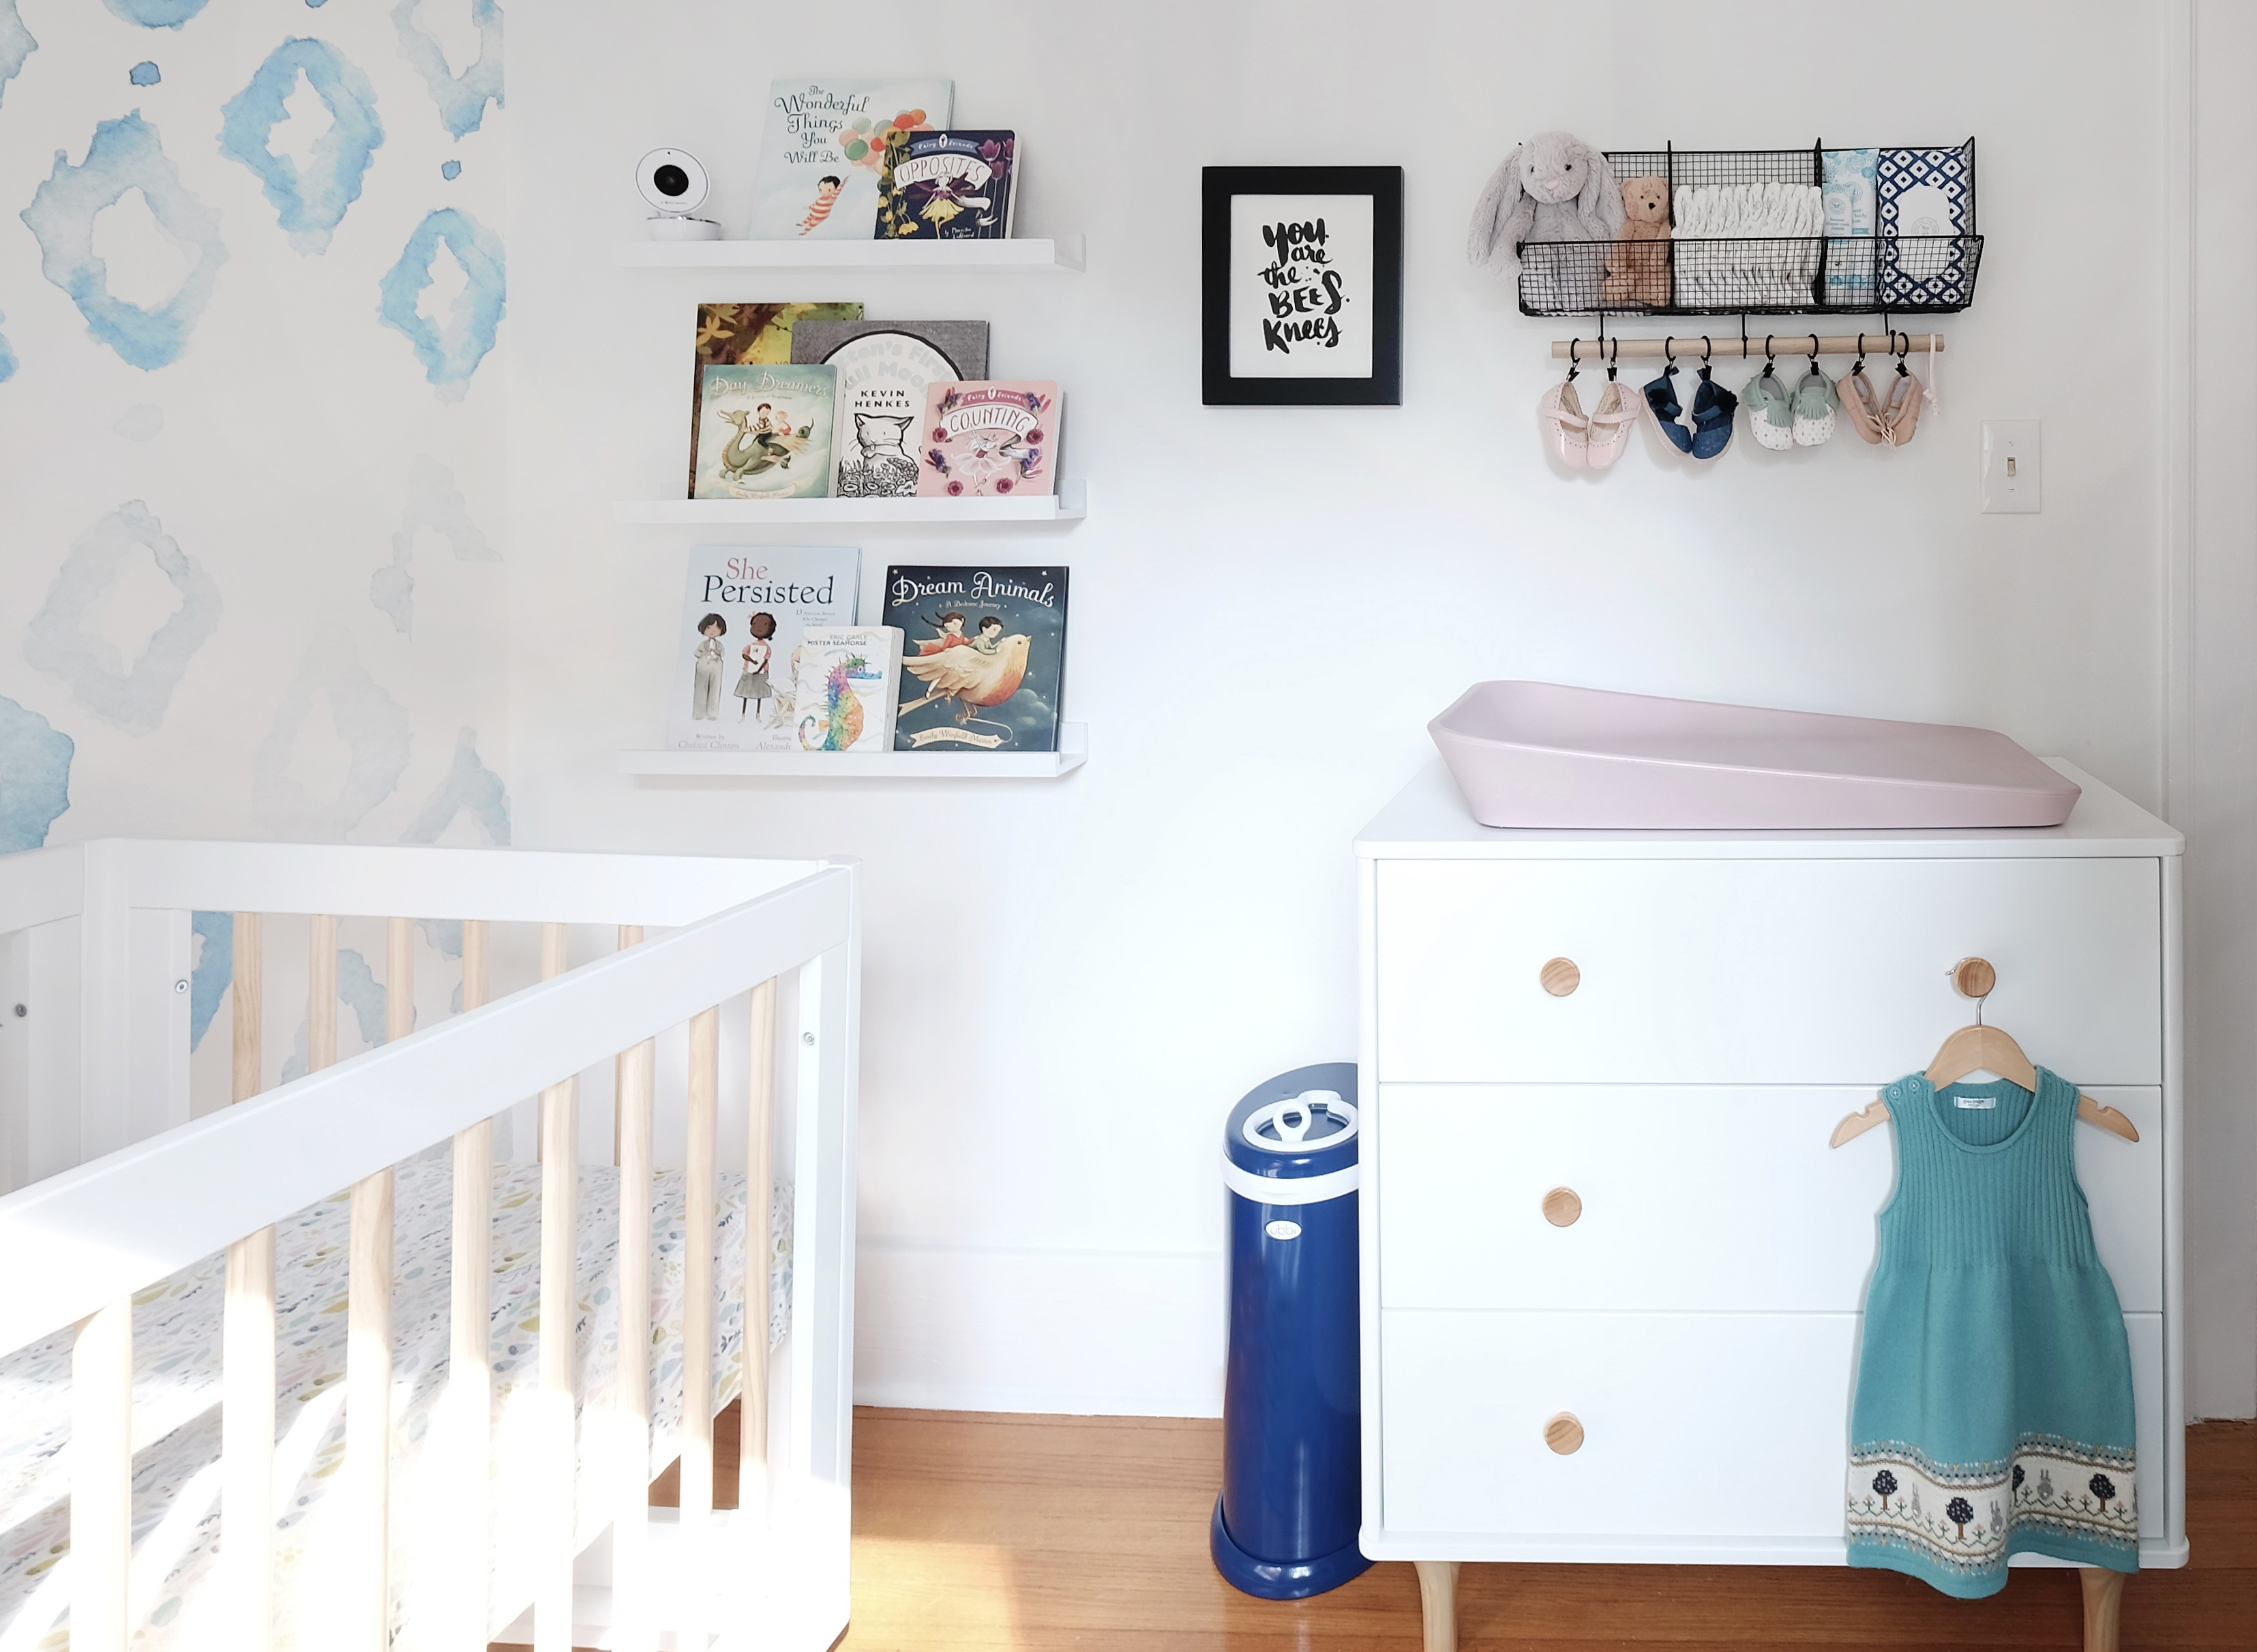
955, 186
824, 146
983, 657
997, 436
764, 432
884, 369
843, 687
745, 610
734, 333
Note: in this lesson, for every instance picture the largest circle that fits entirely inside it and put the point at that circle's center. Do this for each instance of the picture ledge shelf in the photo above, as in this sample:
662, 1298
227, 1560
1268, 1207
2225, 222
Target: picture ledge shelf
1064, 253
1069, 503
1073, 744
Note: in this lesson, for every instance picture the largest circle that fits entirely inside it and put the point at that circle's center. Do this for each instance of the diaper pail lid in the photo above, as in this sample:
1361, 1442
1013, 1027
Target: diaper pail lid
1297, 1126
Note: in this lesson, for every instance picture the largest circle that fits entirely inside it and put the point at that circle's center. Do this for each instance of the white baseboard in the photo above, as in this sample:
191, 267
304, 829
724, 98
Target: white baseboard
1091, 1333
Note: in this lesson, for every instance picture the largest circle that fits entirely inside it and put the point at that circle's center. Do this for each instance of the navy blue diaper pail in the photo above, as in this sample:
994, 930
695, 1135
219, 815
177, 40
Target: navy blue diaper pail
1285, 1525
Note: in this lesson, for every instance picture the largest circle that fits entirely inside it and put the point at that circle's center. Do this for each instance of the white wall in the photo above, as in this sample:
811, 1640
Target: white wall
1069, 983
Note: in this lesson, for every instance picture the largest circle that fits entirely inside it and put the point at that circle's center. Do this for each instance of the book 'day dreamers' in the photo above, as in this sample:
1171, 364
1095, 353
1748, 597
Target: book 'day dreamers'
744, 613
823, 147
983, 657
764, 432
996, 438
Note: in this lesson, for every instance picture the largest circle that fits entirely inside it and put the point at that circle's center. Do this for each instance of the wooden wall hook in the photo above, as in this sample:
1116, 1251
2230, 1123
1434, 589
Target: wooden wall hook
1563, 1433
1562, 1206
1560, 977
1975, 978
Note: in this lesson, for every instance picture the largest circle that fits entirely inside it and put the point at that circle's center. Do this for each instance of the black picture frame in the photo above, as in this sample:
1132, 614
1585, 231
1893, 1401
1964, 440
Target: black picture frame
1219, 185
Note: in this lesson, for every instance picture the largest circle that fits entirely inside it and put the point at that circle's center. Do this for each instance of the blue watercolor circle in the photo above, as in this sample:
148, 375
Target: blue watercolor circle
451, 170
145, 73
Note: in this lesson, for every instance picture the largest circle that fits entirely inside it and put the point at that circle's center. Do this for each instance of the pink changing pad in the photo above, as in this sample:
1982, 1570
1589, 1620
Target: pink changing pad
1542, 754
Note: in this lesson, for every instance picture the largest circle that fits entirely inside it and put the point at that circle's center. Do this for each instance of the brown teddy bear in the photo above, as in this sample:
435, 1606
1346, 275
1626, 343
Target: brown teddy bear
1637, 270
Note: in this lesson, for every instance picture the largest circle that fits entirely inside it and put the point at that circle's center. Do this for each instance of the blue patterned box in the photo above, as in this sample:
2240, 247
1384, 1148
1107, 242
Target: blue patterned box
1927, 207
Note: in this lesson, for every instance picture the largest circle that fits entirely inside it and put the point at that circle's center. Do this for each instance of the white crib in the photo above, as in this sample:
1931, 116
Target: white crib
117, 1188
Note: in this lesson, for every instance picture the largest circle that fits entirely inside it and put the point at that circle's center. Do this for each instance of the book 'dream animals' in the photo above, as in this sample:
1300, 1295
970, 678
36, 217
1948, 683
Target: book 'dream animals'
983, 659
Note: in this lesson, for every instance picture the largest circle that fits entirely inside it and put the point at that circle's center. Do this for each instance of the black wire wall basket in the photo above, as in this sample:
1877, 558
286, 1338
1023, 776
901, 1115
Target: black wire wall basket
1921, 259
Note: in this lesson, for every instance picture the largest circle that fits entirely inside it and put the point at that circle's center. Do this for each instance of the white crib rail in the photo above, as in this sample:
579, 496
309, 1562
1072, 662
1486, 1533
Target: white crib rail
131, 1217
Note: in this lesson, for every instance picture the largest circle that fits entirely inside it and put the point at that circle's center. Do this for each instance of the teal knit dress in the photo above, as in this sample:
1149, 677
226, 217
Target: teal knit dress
1994, 1382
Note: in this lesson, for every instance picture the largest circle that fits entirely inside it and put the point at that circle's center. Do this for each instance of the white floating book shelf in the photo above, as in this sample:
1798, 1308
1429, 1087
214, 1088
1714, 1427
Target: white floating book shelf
1073, 752
1069, 503
1064, 253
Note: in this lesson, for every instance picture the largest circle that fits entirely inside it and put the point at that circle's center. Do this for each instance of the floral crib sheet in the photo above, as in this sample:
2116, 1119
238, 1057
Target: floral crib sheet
176, 1413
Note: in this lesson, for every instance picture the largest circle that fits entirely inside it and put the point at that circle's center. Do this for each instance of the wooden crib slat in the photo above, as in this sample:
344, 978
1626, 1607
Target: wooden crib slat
759, 1179
633, 1605
320, 992
366, 1620
560, 1230
101, 1479
470, 1361
249, 1005
247, 1350
697, 1195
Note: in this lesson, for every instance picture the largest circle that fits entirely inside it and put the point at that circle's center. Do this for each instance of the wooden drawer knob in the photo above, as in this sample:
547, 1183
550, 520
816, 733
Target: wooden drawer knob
1562, 1206
1564, 1434
1974, 977
1560, 977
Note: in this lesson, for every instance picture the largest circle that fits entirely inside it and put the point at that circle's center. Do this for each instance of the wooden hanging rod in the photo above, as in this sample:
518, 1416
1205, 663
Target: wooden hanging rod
1689, 345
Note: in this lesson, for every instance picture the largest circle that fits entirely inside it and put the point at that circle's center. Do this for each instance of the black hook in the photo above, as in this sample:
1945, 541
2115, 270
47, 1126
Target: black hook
1901, 353
1860, 365
1669, 349
1768, 362
1614, 359
1707, 350
1572, 366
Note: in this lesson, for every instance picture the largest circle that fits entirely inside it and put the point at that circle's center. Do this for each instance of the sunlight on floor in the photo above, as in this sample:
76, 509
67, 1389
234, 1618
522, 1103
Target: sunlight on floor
967, 1594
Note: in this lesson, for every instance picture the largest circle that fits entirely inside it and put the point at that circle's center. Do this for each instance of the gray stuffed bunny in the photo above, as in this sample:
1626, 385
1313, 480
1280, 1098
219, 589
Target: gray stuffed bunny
1554, 187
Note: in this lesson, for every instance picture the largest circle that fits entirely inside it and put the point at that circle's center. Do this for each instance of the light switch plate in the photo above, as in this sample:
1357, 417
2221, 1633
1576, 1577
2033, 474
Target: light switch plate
2012, 458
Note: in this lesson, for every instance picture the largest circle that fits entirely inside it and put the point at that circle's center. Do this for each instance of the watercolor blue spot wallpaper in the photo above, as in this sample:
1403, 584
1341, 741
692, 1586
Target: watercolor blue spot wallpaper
462, 97
16, 45
125, 154
450, 347
213, 970
35, 767
311, 203
253, 311
155, 14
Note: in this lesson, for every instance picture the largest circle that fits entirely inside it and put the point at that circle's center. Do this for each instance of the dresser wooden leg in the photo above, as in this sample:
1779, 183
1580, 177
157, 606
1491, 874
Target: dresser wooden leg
2104, 1598
1438, 1601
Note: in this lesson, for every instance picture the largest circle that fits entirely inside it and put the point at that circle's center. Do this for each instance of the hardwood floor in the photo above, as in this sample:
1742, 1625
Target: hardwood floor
1039, 1534
1026, 1534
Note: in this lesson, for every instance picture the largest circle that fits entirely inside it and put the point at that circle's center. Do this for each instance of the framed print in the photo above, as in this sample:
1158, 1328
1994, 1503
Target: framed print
1302, 283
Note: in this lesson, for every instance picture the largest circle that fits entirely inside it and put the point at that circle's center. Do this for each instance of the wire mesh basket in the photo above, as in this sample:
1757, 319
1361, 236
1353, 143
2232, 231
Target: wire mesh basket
1921, 257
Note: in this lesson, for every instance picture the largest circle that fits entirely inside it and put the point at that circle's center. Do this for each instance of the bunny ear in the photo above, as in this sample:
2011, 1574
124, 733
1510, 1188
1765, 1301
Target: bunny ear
1601, 201
1501, 201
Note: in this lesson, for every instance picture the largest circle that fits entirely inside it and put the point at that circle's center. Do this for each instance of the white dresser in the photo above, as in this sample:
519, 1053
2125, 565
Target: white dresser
1611, 1269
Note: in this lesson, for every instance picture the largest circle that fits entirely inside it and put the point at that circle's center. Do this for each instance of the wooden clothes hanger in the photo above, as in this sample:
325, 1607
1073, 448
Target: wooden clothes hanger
1981, 1047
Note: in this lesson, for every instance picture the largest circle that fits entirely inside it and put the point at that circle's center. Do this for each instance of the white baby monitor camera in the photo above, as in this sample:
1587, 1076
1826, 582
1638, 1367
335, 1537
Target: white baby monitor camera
672, 181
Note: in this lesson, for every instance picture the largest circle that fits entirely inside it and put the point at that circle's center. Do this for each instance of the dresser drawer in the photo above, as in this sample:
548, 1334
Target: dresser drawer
1697, 1198
1698, 1424
1691, 1424
1759, 971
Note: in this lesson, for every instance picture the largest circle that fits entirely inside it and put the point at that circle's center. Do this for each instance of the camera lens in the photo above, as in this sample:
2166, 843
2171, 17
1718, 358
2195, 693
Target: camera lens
670, 180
